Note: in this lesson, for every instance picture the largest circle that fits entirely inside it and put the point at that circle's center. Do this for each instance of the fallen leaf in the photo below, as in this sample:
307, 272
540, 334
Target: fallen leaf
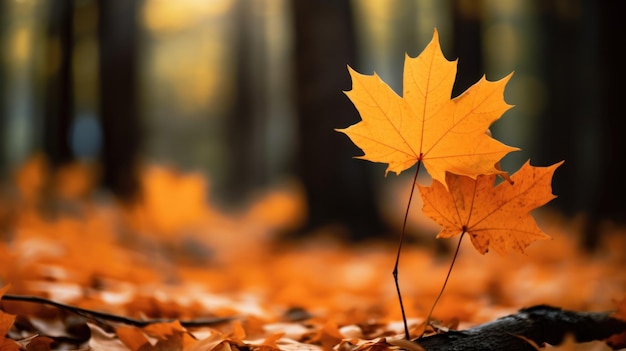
328, 336
102, 340
209, 343
164, 330
426, 124
6, 321
569, 343
406, 344
270, 343
170, 335
132, 337
161, 187
31, 178
495, 217
39, 343
618, 341
218, 341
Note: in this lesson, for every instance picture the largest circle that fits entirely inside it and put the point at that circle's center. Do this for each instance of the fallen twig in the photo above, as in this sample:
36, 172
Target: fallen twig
103, 316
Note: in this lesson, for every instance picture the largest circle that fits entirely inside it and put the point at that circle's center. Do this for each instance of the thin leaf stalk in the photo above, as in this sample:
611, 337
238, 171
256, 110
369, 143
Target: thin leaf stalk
395, 267
445, 282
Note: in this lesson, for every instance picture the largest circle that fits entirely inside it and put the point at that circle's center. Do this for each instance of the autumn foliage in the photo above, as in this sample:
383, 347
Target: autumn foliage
451, 137
139, 262
425, 124
174, 258
494, 216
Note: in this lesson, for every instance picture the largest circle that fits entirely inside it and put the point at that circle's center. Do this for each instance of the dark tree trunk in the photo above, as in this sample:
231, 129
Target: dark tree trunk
612, 192
246, 166
467, 44
563, 114
582, 122
117, 30
338, 187
59, 94
3, 91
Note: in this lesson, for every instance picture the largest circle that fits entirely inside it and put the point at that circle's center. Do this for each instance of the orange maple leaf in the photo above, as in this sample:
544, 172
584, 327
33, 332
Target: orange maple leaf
168, 336
495, 217
6, 321
618, 341
426, 124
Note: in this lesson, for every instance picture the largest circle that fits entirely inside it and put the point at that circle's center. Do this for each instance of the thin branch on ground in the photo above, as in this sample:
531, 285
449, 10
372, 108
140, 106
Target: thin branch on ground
103, 316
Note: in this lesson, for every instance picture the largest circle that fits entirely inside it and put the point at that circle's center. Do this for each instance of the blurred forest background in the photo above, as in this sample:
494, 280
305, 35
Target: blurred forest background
248, 92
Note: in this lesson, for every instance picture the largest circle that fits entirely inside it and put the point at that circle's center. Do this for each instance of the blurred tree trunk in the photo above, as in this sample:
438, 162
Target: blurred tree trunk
117, 34
563, 40
581, 124
246, 125
338, 188
467, 35
59, 93
612, 33
3, 92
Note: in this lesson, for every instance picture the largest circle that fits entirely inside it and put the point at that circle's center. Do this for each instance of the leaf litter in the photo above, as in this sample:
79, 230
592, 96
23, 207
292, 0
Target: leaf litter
317, 295
173, 272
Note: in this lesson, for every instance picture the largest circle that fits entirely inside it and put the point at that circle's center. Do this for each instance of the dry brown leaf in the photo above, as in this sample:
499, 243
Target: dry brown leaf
494, 217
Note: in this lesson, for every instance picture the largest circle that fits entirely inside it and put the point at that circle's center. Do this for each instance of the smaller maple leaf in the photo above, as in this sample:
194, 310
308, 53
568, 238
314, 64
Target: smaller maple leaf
495, 217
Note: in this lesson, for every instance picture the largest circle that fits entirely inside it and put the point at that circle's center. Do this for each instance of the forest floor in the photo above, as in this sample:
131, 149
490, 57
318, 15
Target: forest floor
175, 259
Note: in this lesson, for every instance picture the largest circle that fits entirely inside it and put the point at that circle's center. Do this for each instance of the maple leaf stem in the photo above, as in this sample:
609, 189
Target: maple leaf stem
445, 282
395, 267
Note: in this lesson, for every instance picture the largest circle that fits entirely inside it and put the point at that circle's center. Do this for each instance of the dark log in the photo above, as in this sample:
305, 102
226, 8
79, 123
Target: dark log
541, 324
